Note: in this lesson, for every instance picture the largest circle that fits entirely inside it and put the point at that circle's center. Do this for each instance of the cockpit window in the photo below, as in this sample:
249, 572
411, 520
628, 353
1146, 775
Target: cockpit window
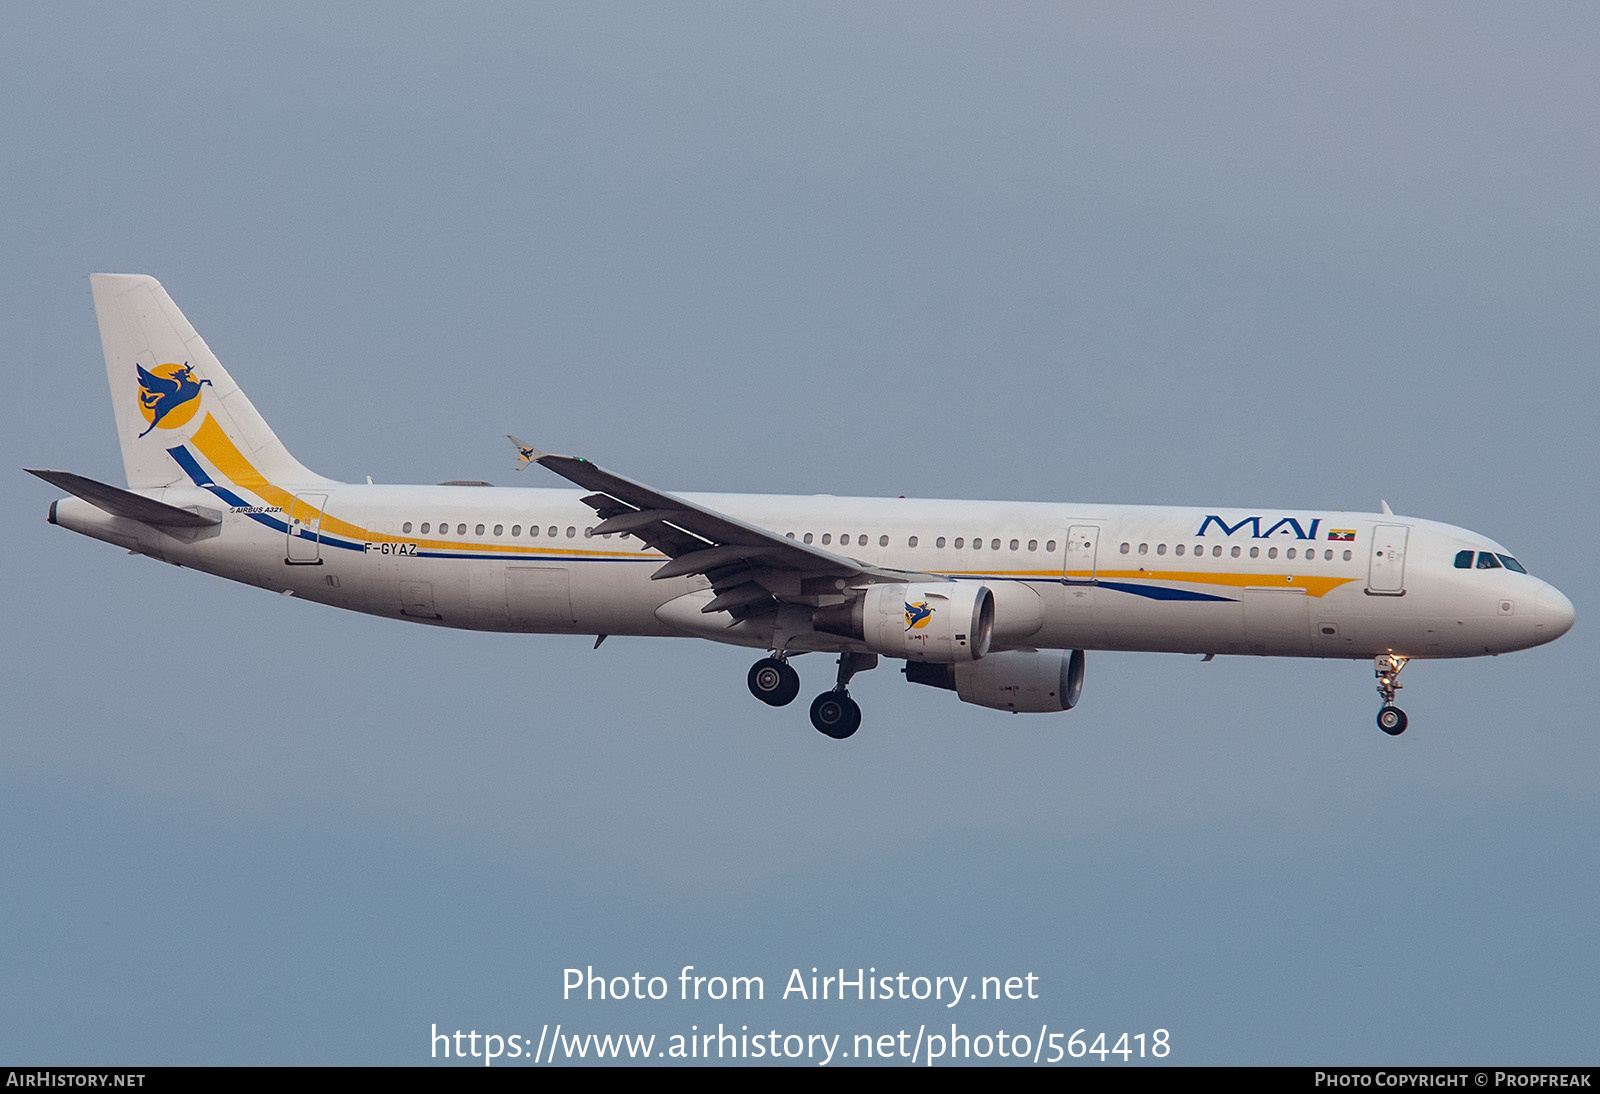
1487, 560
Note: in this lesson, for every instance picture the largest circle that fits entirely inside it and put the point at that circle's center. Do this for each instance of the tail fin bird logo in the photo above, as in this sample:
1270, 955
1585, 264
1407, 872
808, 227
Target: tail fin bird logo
918, 614
169, 395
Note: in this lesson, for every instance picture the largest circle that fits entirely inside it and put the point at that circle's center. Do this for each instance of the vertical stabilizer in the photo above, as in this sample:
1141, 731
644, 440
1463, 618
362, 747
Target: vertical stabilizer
167, 386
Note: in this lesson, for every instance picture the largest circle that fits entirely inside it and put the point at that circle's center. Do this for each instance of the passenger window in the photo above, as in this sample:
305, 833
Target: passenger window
1234, 552
1144, 548
1486, 561
1051, 547
1463, 560
1289, 553
912, 542
499, 529
1178, 550
1161, 548
994, 545
1347, 556
1015, 545
1272, 552
1255, 552
883, 541
406, 527
424, 527
827, 538
588, 533
806, 538
572, 531
533, 530
1126, 548
939, 542
788, 535
461, 529
516, 530
1327, 556
959, 542
1033, 545
552, 531
1217, 550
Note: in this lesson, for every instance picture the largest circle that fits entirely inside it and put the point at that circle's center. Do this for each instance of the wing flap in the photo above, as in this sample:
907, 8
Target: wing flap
714, 558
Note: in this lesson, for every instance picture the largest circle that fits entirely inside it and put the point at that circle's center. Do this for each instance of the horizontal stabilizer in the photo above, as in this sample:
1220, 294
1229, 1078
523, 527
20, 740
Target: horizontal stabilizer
125, 503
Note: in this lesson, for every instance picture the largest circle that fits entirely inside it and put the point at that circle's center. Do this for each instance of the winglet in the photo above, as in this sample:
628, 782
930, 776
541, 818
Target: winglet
1386, 510
526, 453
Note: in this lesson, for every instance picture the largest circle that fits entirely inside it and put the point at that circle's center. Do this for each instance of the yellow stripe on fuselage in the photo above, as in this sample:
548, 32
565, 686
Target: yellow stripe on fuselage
1313, 584
220, 451
223, 455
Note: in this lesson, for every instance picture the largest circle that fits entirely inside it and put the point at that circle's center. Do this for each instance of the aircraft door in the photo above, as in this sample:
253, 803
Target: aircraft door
539, 597
416, 600
1083, 545
304, 546
1386, 571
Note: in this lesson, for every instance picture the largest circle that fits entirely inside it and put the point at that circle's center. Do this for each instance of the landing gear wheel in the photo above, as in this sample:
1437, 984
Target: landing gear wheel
1392, 720
835, 714
773, 682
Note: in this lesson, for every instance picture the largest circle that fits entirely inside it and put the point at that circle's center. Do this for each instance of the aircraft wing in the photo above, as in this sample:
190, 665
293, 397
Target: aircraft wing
750, 568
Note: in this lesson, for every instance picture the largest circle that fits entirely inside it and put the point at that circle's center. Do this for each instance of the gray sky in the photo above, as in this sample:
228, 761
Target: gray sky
1275, 255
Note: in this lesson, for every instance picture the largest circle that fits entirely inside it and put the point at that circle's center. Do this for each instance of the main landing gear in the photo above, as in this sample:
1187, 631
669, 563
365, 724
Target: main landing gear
834, 713
1391, 719
774, 681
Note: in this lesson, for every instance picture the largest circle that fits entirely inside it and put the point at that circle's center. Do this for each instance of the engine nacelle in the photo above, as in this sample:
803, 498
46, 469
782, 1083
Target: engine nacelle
1021, 681
944, 623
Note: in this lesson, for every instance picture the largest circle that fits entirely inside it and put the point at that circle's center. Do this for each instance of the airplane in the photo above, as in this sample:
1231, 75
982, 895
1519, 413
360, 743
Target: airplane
996, 601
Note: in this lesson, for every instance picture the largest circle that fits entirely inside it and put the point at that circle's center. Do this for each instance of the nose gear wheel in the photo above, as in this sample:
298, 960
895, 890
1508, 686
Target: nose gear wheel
1391, 719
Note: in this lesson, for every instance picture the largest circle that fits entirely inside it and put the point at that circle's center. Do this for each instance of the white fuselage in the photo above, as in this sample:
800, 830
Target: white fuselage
1210, 581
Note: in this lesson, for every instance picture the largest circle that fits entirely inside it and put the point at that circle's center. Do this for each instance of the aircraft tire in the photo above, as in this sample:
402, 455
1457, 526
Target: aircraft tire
835, 714
774, 682
1392, 720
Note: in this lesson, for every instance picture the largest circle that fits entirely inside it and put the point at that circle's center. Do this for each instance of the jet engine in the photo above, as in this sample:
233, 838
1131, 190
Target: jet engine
943, 623
1021, 681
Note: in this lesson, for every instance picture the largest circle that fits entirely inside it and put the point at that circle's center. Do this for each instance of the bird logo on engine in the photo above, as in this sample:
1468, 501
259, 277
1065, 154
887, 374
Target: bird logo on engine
918, 614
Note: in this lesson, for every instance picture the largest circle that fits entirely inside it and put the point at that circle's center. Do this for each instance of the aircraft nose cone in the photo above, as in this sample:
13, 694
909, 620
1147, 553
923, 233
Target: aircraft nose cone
1554, 613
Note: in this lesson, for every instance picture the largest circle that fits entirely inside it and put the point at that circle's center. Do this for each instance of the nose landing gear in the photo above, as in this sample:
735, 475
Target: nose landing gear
1391, 719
